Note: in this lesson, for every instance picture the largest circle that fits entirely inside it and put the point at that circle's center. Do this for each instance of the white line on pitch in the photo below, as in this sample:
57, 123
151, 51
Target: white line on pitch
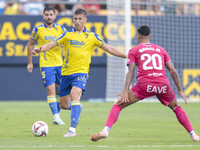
104, 146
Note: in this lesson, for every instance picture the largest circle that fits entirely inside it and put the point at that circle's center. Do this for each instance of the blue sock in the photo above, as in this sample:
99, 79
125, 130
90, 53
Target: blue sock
52, 104
75, 113
58, 102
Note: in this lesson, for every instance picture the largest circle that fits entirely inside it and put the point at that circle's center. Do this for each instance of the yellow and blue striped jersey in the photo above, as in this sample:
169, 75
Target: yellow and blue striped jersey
78, 50
44, 35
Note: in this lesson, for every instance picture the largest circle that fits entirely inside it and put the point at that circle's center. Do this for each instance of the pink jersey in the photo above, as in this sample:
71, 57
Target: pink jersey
150, 60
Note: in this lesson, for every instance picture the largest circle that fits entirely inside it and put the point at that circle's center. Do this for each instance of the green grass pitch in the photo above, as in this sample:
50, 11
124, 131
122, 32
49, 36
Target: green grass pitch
149, 126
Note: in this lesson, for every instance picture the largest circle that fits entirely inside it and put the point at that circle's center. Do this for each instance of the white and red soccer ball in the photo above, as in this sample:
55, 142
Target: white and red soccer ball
40, 129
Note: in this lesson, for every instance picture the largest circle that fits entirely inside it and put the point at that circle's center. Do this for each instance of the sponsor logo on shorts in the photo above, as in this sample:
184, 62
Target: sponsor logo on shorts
82, 78
156, 89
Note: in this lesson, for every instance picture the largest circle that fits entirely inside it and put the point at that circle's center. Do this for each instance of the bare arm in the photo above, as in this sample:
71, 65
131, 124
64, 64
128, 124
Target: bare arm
129, 79
174, 75
129, 76
29, 49
48, 46
113, 51
44, 48
169, 65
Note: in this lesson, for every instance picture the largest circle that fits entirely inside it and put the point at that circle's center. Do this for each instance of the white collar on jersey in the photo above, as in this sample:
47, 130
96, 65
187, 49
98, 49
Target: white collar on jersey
74, 30
145, 43
54, 25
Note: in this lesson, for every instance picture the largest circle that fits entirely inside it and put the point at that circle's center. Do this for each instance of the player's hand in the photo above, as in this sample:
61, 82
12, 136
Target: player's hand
181, 93
123, 97
30, 68
36, 50
62, 46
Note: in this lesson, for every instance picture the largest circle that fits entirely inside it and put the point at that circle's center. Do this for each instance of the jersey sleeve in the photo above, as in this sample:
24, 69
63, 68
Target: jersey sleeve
167, 58
34, 34
98, 41
131, 57
60, 39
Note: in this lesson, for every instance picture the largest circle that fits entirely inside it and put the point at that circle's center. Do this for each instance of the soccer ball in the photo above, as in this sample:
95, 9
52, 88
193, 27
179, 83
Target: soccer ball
40, 128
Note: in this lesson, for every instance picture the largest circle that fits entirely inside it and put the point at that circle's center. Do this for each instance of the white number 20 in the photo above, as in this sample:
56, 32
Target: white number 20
153, 59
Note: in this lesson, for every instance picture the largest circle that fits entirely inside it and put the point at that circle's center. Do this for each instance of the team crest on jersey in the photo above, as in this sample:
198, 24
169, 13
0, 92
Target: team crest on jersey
56, 29
86, 35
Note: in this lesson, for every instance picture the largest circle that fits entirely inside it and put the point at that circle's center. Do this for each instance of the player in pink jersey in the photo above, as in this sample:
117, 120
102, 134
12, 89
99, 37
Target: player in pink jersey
151, 81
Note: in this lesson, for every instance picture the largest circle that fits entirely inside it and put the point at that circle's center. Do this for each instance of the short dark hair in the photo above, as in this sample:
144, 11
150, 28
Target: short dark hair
48, 9
80, 11
144, 30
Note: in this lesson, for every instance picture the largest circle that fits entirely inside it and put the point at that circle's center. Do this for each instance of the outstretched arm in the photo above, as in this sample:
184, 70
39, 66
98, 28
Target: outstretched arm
113, 51
44, 48
129, 79
176, 79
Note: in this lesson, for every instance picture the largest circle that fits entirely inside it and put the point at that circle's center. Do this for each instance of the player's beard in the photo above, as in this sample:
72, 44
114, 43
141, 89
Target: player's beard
49, 23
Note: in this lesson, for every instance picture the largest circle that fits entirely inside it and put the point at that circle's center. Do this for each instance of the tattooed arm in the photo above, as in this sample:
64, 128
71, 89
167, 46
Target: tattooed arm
169, 65
174, 74
129, 79
129, 76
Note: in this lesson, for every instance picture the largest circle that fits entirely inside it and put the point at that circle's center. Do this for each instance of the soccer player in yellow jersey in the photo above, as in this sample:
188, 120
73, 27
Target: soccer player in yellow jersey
79, 44
50, 62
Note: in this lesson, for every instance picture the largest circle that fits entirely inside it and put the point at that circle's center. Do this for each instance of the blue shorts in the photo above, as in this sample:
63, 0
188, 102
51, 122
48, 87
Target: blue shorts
67, 82
50, 75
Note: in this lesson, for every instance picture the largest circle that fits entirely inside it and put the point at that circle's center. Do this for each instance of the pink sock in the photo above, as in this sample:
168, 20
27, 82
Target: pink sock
183, 119
113, 115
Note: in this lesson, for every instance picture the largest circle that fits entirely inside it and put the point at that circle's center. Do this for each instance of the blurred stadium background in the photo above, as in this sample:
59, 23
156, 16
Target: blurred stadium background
175, 25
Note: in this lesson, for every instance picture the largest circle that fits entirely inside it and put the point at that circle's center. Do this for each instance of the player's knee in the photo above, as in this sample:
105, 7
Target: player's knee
122, 105
50, 90
64, 106
75, 96
173, 104
75, 93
